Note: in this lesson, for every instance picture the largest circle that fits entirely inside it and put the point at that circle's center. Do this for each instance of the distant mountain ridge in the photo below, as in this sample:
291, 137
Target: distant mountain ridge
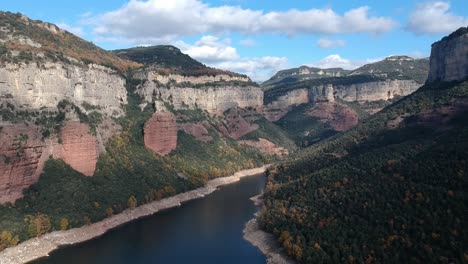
396, 67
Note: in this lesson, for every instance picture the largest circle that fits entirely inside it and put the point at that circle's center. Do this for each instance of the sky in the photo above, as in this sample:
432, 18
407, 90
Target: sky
259, 37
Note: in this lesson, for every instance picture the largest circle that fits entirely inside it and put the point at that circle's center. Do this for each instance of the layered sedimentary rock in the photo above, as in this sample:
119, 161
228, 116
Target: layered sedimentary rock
339, 116
449, 58
237, 123
359, 92
35, 86
164, 79
375, 91
21, 148
160, 133
275, 110
79, 147
201, 92
198, 130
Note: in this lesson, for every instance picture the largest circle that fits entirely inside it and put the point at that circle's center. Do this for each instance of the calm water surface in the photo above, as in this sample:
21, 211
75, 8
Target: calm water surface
207, 230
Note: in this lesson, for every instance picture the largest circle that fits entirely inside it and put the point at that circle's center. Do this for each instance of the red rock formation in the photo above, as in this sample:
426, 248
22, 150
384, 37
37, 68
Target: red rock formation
340, 117
235, 125
21, 148
160, 133
265, 146
198, 130
274, 114
79, 147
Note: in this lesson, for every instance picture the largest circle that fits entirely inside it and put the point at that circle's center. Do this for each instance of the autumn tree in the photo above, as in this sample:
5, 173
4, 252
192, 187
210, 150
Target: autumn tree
64, 224
39, 225
132, 202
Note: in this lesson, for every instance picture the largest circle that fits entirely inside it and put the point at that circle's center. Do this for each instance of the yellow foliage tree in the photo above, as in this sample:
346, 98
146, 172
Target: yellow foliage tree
132, 202
64, 224
39, 225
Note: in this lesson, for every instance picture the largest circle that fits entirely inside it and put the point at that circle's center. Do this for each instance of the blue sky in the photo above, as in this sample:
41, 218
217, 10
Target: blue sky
259, 37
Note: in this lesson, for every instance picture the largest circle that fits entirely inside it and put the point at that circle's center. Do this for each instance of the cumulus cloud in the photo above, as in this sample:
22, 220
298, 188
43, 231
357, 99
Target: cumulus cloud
336, 61
258, 69
139, 19
75, 30
210, 49
216, 52
326, 43
434, 17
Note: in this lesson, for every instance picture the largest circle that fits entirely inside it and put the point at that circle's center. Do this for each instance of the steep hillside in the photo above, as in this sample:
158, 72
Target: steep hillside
85, 134
397, 67
302, 73
313, 104
392, 189
22, 39
174, 78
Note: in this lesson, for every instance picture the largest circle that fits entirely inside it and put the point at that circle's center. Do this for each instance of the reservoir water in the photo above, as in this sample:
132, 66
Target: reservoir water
207, 230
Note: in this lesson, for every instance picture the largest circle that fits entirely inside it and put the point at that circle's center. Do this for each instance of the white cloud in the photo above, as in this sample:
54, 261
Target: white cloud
336, 61
434, 17
258, 69
149, 19
75, 30
247, 42
210, 49
326, 43
219, 53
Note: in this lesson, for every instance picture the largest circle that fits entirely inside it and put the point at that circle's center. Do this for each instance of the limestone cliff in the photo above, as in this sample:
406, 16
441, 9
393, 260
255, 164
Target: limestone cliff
375, 91
449, 58
214, 94
34, 86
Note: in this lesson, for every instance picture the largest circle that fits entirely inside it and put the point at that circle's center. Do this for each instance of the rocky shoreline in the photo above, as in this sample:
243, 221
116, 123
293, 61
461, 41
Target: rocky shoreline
41, 246
264, 241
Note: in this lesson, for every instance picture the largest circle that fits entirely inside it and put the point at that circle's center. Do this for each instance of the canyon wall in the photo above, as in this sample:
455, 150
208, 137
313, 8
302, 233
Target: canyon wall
160, 133
449, 58
200, 92
23, 153
359, 92
375, 91
44, 85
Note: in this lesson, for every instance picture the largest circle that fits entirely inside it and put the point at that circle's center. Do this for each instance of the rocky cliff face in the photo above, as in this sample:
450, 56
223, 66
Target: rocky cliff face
35, 86
79, 147
200, 94
448, 60
23, 153
375, 91
160, 133
359, 92
21, 148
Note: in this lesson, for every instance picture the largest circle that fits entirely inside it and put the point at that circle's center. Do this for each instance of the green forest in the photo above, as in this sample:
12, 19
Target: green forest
377, 193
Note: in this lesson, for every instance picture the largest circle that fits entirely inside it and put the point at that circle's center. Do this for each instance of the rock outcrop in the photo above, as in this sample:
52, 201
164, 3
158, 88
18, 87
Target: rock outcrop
449, 58
198, 130
35, 86
358, 92
265, 146
21, 149
375, 91
160, 133
237, 123
339, 116
79, 147
214, 94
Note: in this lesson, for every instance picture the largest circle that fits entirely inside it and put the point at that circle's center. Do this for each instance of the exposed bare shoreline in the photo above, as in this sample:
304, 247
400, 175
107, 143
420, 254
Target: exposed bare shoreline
39, 247
264, 241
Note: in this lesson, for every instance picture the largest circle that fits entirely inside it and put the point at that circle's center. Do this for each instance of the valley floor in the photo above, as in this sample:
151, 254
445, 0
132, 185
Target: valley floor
41, 246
